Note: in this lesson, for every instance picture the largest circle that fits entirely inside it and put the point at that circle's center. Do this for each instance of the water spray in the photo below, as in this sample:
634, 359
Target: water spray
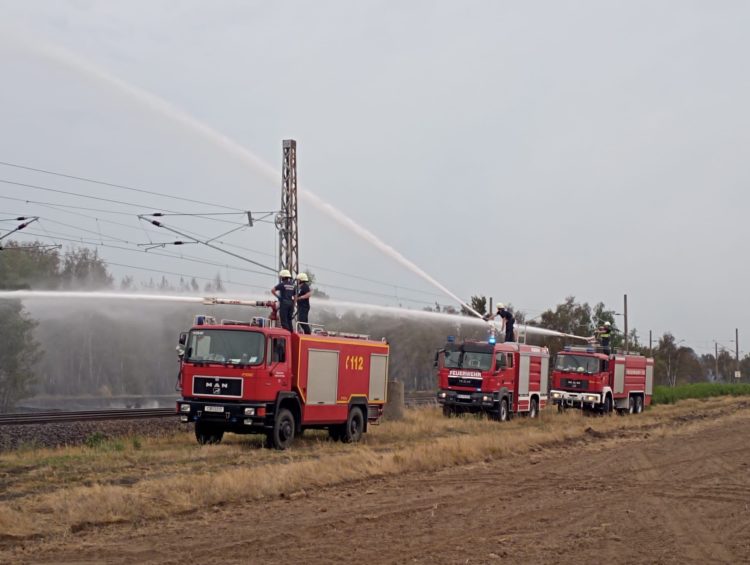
157, 104
261, 301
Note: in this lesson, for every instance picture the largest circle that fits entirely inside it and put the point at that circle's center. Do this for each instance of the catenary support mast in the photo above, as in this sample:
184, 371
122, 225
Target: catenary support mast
287, 219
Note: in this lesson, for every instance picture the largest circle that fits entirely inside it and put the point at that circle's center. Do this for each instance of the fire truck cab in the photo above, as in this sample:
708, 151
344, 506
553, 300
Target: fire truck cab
252, 377
499, 379
590, 379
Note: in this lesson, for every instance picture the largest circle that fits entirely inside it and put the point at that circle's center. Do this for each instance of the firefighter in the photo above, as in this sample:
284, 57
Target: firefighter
284, 292
604, 334
303, 301
507, 321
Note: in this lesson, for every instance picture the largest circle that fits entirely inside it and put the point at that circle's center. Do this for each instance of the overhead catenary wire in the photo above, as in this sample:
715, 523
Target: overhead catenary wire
116, 185
141, 226
99, 198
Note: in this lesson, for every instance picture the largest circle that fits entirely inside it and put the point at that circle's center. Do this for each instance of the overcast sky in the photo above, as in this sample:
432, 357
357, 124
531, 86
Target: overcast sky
523, 150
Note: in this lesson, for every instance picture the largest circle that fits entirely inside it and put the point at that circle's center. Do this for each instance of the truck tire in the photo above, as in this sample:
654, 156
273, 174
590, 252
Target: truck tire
355, 424
208, 434
502, 410
448, 411
631, 405
534, 408
607, 406
638, 405
282, 434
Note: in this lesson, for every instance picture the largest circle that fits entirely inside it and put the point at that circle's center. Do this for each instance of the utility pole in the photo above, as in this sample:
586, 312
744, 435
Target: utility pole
737, 350
625, 314
286, 221
650, 348
716, 359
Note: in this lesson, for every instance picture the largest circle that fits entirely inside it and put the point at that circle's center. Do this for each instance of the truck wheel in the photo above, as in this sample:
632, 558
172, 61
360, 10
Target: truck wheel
560, 408
502, 411
631, 405
448, 411
607, 408
282, 434
638, 404
355, 424
534, 408
208, 434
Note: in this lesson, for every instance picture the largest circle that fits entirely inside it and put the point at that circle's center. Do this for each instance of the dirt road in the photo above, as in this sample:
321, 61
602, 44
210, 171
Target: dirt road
642, 497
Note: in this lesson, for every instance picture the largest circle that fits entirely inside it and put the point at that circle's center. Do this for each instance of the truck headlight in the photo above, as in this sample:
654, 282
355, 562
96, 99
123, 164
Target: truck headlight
486, 398
249, 411
183, 419
248, 422
591, 399
556, 395
184, 407
441, 395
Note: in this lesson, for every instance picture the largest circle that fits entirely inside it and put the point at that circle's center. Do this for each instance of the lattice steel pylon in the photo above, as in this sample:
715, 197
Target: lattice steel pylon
286, 221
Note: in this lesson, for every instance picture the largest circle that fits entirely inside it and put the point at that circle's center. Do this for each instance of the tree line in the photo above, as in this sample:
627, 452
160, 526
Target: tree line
113, 347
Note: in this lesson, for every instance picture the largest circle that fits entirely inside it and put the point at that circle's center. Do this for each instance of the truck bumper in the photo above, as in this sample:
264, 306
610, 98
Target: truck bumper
470, 401
575, 399
247, 416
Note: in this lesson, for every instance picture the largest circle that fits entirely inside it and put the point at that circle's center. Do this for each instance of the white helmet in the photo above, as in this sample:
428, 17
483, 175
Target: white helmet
285, 274
500, 306
607, 324
302, 277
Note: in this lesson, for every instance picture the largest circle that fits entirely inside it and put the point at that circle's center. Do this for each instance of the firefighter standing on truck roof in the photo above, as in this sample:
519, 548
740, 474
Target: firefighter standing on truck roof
284, 291
507, 320
303, 302
604, 334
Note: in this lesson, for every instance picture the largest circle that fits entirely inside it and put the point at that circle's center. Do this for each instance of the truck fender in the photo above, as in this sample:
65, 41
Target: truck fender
362, 402
292, 399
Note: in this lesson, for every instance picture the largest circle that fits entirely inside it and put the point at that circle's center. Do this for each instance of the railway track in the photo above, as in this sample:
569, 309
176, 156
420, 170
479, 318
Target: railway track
53, 417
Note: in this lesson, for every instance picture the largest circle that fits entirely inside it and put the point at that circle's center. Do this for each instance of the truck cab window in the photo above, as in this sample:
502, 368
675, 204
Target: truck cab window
604, 366
278, 350
510, 360
500, 363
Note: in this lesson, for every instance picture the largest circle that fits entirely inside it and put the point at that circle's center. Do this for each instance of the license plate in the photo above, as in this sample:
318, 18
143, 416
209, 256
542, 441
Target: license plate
464, 397
214, 409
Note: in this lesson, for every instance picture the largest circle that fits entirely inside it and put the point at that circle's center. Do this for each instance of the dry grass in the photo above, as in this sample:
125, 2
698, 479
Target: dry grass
60, 490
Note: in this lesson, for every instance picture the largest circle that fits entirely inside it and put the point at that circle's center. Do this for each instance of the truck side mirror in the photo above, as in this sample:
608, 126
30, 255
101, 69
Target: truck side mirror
183, 338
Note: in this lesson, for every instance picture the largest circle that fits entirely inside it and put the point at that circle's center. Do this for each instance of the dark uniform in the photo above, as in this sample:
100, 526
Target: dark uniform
303, 307
509, 322
605, 334
285, 290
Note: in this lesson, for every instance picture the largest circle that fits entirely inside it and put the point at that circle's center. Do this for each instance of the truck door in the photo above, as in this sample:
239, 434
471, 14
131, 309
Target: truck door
378, 377
619, 384
322, 377
278, 360
524, 368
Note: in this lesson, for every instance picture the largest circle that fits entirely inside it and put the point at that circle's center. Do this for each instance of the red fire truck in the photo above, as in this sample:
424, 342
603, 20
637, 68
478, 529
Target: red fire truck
253, 377
500, 379
591, 379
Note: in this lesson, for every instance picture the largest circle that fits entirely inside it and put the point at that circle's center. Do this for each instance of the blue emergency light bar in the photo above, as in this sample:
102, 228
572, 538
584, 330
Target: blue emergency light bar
491, 340
451, 338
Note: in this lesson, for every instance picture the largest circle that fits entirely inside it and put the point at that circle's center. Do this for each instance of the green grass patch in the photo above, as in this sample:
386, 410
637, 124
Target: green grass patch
670, 395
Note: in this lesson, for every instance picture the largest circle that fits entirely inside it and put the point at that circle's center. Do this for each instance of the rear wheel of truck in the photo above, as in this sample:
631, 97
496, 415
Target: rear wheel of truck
355, 424
631, 405
448, 411
502, 410
638, 405
534, 408
208, 434
282, 434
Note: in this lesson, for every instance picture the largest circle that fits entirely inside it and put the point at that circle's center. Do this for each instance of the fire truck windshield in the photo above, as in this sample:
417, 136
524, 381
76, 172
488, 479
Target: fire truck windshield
236, 347
468, 360
577, 364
